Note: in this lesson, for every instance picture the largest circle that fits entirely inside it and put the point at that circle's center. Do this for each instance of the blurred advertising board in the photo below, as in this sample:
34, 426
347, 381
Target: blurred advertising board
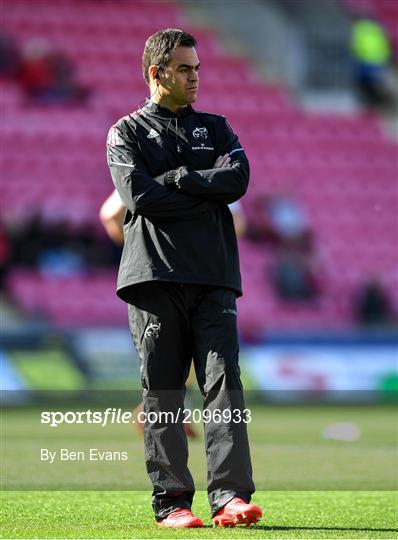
339, 371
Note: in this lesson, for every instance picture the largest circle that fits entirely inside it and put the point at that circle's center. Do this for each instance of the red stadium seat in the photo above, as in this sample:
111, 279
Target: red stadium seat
342, 169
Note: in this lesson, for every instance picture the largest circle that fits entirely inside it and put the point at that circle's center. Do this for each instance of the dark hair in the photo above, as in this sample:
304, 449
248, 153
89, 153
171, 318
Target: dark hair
158, 48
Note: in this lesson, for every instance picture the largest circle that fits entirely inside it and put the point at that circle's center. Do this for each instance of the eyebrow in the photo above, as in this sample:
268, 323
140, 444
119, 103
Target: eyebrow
188, 66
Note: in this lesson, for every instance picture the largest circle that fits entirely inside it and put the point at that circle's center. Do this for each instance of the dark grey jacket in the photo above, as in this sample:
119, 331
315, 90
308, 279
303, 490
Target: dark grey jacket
178, 226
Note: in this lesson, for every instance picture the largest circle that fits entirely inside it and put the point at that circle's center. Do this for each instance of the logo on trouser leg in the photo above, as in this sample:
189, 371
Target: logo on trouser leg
153, 330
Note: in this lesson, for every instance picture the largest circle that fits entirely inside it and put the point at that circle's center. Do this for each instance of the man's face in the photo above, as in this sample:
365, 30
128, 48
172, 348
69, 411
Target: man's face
180, 79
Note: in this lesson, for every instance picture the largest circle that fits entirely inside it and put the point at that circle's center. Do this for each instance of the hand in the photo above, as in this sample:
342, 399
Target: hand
222, 162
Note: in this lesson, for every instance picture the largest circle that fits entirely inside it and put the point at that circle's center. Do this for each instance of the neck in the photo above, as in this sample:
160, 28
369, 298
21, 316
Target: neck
166, 102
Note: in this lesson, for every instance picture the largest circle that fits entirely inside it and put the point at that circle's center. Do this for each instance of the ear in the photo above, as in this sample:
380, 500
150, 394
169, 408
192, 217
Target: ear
153, 73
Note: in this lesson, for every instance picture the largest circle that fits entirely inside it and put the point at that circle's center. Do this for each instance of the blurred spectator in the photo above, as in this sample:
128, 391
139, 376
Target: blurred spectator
371, 52
279, 219
27, 241
295, 276
238, 215
9, 56
56, 247
287, 220
61, 262
4, 256
295, 269
48, 76
372, 306
111, 215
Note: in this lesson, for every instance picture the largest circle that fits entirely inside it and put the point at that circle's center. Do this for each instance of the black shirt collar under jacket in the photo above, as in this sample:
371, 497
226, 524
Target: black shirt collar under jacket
154, 108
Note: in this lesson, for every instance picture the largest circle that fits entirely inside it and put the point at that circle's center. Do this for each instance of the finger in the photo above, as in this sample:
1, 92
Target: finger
223, 159
217, 163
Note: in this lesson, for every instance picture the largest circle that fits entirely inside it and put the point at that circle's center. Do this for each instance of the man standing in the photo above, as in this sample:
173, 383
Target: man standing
176, 171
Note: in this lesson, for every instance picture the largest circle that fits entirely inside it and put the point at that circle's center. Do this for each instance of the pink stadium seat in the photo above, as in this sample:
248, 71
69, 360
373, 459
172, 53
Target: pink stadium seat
342, 169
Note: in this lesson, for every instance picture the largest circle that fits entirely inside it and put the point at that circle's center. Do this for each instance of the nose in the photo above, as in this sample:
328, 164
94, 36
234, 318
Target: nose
194, 76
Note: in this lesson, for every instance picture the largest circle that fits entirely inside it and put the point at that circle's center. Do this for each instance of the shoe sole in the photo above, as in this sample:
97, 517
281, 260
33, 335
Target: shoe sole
180, 526
248, 518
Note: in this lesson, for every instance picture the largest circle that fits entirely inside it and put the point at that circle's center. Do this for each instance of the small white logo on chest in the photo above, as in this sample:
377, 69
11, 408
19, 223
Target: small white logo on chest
200, 133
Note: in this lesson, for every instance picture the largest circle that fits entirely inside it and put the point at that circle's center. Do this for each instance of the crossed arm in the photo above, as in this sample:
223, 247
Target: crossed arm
177, 193
112, 210
112, 214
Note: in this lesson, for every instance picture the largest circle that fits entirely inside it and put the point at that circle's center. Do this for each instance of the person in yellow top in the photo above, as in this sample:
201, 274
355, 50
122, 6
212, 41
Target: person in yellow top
371, 52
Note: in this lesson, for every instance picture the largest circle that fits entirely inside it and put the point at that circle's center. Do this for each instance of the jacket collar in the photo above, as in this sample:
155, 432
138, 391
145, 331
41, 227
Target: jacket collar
154, 108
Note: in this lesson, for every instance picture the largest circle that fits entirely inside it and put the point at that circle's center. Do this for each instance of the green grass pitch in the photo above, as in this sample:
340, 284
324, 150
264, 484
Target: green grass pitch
309, 487
128, 515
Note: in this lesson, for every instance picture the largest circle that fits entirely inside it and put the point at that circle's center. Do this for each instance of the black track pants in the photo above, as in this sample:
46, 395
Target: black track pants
172, 323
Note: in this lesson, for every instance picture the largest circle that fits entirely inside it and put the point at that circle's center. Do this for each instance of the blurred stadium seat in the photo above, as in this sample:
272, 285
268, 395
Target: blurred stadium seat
342, 169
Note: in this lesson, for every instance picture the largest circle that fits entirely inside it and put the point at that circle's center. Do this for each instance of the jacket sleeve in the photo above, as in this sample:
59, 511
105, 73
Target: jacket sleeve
222, 185
141, 193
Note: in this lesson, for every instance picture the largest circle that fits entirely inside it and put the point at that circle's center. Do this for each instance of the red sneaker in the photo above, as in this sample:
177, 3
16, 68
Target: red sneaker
237, 512
182, 519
